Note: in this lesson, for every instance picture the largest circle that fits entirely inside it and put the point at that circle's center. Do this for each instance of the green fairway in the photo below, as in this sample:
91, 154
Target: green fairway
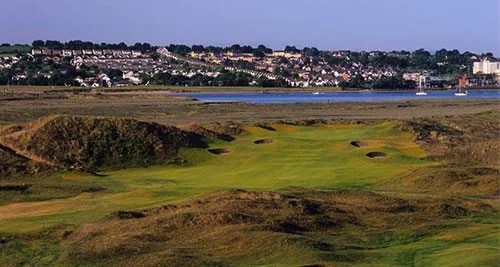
309, 157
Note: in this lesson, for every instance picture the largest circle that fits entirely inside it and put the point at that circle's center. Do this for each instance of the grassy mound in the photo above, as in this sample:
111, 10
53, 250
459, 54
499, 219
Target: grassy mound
239, 227
97, 143
452, 180
469, 147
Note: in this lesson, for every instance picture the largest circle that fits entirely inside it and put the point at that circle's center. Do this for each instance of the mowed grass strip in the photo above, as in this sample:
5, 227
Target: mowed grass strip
317, 157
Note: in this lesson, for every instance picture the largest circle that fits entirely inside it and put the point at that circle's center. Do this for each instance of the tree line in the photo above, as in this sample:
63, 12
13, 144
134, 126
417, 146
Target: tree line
82, 45
224, 78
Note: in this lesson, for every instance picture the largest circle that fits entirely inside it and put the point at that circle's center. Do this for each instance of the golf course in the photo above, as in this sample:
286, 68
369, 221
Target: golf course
278, 193
322, 157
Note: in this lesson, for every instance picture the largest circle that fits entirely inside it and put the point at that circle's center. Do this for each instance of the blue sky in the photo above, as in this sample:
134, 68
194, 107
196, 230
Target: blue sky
327, 24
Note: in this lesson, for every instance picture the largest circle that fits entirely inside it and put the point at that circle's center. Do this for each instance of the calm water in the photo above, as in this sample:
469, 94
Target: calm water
334, 97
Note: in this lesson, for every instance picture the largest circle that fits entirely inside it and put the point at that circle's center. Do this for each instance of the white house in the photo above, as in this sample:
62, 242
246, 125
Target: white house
486, 67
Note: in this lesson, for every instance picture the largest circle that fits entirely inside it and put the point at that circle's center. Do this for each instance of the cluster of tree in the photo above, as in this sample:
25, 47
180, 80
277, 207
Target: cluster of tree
43, 73
114, 74
16, 49
80, 45
259, 51
225, 78
291, 49
39, 72
265, 82
391, 83
5, 76
442, 62
240, 64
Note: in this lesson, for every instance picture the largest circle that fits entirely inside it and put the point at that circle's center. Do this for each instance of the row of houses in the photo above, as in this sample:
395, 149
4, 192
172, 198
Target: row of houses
7, 62
86, 52
299, 70
255, 73
145, 64
235, 56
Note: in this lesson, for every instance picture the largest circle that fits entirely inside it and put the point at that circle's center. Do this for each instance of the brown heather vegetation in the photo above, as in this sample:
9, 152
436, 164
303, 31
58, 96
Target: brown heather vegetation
12, 164
245, 224
91, 144
469, 145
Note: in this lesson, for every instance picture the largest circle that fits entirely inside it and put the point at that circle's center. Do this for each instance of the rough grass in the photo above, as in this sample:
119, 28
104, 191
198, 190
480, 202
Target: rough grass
305, 203
85, 143
468, 146
311, 220
297, 227
12, 164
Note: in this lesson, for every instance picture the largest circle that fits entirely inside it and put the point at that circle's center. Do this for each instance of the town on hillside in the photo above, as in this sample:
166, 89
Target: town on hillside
78, 63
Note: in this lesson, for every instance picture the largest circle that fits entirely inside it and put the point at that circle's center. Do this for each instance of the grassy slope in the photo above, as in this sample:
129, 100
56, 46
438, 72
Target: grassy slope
322, 158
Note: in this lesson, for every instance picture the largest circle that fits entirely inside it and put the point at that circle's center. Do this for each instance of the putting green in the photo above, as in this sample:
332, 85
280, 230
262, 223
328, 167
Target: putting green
310, 157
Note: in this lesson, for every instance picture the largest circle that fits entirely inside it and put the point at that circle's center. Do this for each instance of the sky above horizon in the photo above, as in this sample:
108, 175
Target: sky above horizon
466, 25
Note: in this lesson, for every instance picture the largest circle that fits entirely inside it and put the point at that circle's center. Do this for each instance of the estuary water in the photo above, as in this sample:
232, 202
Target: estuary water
318, 97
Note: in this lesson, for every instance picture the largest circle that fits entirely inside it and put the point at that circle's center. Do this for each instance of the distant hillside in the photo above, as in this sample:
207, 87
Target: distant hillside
92, 144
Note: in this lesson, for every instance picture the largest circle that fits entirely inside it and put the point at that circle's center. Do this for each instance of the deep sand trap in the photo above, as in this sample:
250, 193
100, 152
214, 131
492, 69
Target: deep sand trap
219, 151
358, 144
376, 155
263, 141
266, 127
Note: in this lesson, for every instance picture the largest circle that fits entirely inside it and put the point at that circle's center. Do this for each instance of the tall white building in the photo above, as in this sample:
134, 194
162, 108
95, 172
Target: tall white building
486, 67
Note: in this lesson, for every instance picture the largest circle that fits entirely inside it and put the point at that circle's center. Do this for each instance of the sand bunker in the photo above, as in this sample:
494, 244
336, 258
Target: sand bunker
266, 127
358, 144
375, 155
263, 141
219, 151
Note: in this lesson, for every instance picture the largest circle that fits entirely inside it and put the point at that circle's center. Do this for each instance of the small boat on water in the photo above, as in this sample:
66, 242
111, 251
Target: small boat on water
316, 93
420, 91
460, 93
